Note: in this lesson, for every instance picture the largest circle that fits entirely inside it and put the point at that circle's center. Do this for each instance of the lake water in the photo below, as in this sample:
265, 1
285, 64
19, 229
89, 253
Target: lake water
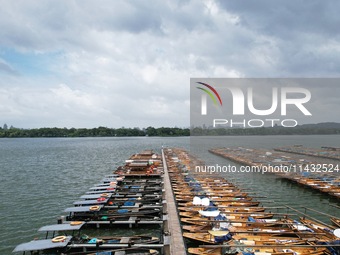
41, 177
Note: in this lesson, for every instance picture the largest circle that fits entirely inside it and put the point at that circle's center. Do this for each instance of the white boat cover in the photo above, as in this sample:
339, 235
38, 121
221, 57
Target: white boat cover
81, 209
60, 227
39, 245
209, 213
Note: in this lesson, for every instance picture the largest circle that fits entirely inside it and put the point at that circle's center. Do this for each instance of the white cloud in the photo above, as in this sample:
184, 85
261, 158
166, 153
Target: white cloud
129, 63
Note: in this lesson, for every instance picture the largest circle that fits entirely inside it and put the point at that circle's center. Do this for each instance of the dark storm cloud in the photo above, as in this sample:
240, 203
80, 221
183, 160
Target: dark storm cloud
286, 19
305, 32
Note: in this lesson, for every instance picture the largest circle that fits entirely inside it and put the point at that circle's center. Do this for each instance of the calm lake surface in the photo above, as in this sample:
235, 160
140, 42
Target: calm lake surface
40, 177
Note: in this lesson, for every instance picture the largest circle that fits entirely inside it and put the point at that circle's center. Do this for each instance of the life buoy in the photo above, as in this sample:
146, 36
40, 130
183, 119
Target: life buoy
59, 239
94, 208
75, 223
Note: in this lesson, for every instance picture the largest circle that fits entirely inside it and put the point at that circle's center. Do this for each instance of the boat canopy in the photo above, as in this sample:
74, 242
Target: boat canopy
103, 185
100, 188
92, 196
81, 209
139, 164
100, 192
112, 176
61, 227
39, 245
89, 202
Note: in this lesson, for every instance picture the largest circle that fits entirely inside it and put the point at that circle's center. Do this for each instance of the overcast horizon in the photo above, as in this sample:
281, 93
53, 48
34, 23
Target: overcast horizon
86, 64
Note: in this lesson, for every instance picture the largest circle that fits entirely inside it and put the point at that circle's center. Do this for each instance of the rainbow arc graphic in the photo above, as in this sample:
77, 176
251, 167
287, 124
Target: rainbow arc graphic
213, 94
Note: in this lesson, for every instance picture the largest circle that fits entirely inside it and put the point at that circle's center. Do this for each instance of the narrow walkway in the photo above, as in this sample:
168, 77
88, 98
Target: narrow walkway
177, 246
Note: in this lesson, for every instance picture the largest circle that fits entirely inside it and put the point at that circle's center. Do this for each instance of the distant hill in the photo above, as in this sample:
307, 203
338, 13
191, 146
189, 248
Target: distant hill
325, 128
321, 125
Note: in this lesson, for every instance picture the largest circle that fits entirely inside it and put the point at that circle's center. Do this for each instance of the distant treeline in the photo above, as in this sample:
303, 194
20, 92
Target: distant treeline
198, 131
163, 131
93, 132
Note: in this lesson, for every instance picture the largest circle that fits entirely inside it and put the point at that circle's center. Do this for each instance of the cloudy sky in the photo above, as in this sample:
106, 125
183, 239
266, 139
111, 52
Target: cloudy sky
129, 63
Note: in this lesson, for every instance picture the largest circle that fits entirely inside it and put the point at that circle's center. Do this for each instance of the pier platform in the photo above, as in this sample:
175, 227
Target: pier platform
172, 225
313, 168
182, 206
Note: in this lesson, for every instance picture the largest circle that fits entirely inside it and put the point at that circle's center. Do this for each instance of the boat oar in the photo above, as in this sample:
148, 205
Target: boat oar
112, 251
306, 215
335, 206
326, 214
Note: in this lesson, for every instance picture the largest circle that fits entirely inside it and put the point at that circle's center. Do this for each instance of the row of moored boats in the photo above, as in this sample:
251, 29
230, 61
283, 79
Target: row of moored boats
128, 198
219, 218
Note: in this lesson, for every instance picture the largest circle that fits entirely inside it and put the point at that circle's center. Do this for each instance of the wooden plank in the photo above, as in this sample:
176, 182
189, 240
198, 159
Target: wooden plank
176, 239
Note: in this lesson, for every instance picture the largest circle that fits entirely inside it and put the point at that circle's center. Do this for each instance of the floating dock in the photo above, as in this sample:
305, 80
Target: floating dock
173, 227
136, 194
323, 152
194, 213
319, 173
217, 217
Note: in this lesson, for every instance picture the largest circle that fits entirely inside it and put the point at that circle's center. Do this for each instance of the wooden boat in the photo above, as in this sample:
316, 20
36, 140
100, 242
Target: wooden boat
116, 239
319, 228
129, 212
227, 199
227, 204
197, 228
134, 191
205, 186
275, 227
191, 221
261, 230
235, 227
189, 197
109, 244
231, 192
111, 214
141, 200
229, 210
238, 204
133, 204
128, 251
264, 238
216, 189
210, 237
205, 251
266, 251
137, 186
259, 217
